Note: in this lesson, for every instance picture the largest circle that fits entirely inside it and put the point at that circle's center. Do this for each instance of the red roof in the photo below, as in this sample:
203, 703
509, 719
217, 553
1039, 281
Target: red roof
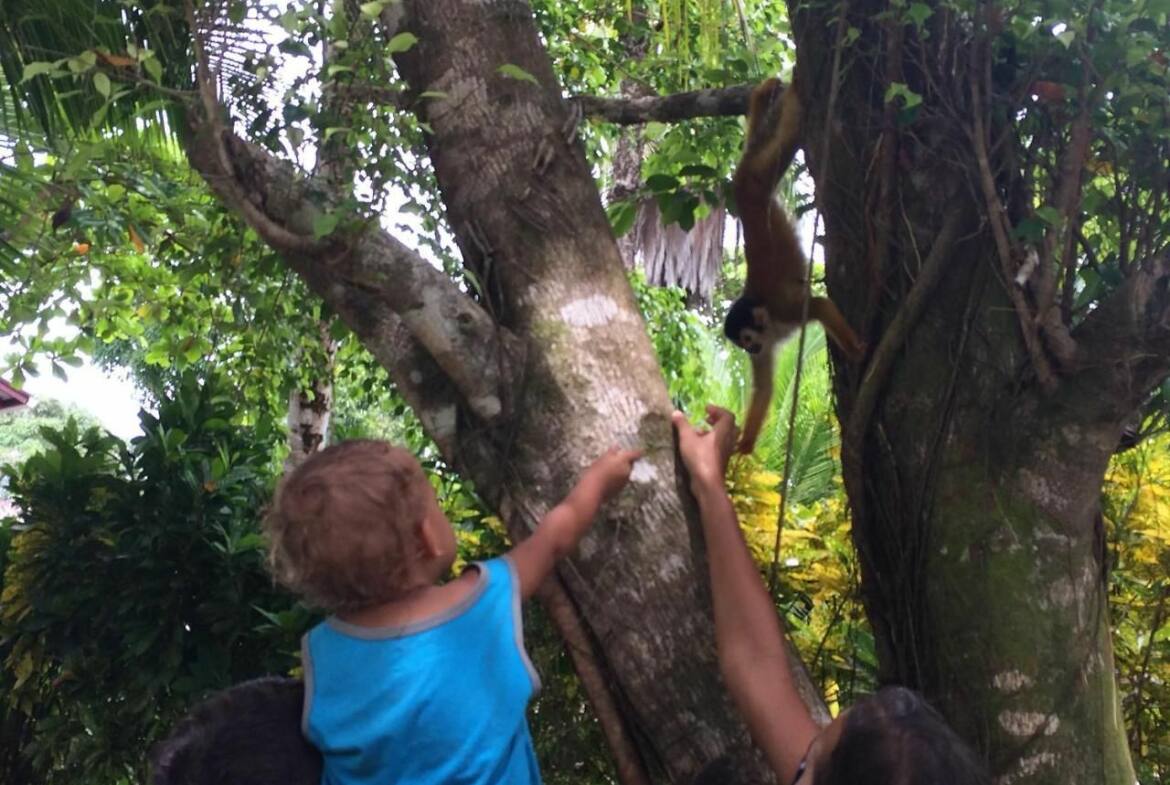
10, 397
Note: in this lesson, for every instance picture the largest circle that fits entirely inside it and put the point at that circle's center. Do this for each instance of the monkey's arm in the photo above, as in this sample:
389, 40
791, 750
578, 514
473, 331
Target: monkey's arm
763, 370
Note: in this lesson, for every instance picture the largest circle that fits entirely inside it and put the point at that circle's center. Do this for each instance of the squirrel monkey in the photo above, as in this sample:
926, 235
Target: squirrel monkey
772, 303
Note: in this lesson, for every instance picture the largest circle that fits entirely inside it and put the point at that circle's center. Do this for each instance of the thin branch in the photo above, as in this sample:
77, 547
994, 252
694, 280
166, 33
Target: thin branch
997, 217
894, 338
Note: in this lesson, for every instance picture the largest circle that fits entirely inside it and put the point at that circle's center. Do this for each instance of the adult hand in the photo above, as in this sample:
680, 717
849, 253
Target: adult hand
706, 452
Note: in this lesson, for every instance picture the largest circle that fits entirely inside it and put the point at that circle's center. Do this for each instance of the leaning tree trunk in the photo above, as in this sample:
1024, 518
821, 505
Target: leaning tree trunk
523, 389
973, 467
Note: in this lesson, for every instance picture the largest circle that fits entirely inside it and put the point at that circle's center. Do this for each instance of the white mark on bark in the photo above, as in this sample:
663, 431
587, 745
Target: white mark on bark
672, 566
1062, 593
1027, 767
416, 377
644, 471
1043, 534
1011, 681
592, 311
486, 406
442, 420
1038, 489
1028, 723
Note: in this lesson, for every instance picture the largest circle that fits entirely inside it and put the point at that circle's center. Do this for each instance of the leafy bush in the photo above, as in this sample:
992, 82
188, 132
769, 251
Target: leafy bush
135, 585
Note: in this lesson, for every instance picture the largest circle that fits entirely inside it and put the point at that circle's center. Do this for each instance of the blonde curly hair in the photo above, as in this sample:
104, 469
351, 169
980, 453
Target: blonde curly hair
339, 529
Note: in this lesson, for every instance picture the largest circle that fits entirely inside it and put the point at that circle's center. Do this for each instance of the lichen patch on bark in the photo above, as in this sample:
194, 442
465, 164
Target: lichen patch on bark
592, 311
1011, 681
1027, 767
1026, 724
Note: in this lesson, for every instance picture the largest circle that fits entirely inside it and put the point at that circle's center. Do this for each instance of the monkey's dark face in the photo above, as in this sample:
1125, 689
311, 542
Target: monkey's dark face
746, 324
754, 337
751, 340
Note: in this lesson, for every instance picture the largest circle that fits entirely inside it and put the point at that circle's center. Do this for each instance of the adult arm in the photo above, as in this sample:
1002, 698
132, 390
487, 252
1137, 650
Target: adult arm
748, 630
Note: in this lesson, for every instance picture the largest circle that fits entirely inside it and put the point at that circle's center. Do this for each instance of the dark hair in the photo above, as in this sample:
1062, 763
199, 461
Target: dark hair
895, 737
740, 316
247, 735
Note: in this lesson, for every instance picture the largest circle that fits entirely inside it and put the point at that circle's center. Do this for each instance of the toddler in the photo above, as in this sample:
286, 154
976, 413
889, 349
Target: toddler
412, 680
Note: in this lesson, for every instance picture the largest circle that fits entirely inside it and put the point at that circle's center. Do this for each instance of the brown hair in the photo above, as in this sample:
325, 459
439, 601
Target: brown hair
339, 528
895, 737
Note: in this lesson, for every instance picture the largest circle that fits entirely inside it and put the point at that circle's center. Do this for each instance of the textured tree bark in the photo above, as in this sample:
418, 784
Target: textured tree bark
529, 221
974, 485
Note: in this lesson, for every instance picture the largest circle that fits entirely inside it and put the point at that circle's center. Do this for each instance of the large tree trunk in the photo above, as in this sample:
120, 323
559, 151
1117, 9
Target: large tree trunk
524, 388
973, 469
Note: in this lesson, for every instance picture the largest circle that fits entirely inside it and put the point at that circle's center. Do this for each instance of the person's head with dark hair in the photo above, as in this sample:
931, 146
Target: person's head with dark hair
893, 737
249, 734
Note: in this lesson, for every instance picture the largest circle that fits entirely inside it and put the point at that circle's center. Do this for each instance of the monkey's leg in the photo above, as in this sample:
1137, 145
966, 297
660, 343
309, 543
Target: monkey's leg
771, 158
824, 311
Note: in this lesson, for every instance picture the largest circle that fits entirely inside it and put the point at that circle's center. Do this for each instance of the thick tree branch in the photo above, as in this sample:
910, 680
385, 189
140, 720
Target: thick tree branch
1125, 343
460, 336
715, 102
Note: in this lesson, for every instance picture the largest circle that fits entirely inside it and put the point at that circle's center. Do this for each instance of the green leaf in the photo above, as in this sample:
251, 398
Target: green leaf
1067, 37
402, 42
1049, 215
237, 11
432, 94
373, 9
115, 192
661, 182
621, 217
918, 13
324, 224
33, 70
698, 170
516, 72
900, 90
153, 68
101, 83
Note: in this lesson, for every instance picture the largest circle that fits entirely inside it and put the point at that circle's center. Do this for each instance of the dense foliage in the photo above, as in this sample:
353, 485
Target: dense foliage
133, 580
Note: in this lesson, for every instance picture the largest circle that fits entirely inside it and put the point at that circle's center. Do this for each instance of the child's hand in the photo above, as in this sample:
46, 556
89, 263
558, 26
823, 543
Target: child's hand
612, 470
706, 453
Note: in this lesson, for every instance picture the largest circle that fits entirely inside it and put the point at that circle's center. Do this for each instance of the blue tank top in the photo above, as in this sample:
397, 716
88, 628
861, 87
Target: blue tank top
440, 701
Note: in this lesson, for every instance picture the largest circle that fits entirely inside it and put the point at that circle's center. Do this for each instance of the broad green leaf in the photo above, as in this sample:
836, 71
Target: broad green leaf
32, 70
1049, 215
401, 43
901, 90
101, 83
154, 68
918, 13
373, 9
516, 72
324, 224
661, 182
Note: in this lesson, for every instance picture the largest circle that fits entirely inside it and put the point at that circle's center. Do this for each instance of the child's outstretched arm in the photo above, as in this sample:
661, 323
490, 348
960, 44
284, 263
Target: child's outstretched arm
748, 634
564, 525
